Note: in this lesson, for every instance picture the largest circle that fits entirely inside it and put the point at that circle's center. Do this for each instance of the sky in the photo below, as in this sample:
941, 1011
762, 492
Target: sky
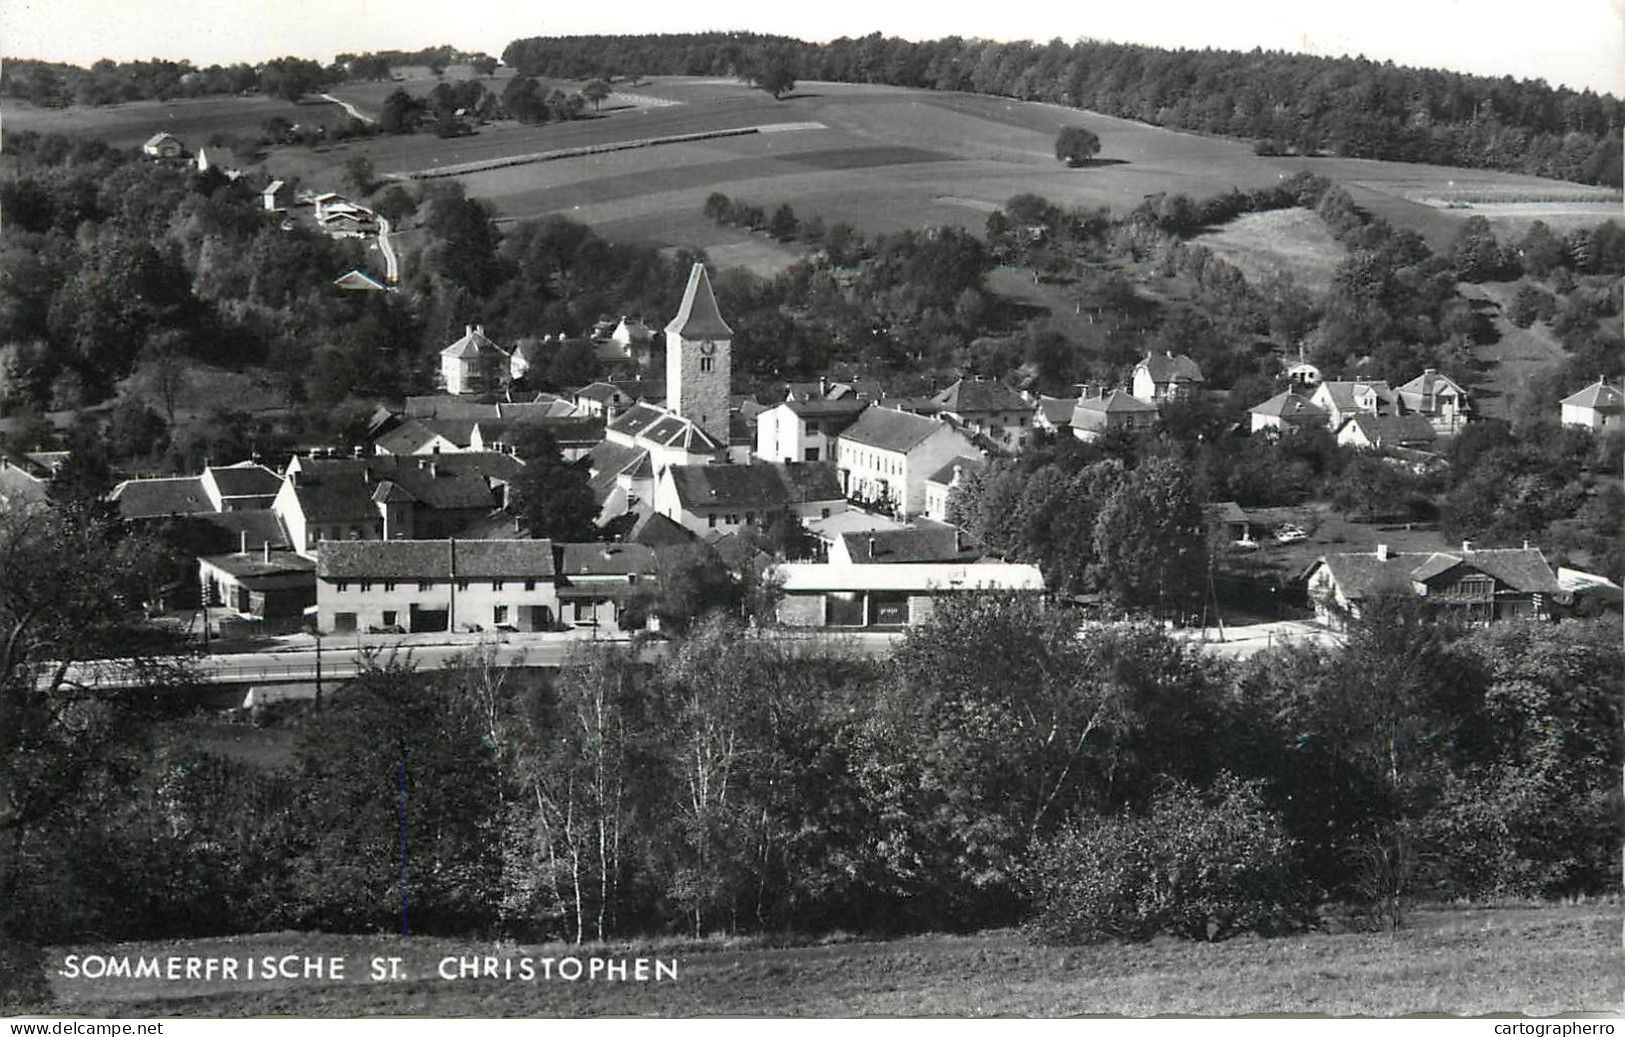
1576, 43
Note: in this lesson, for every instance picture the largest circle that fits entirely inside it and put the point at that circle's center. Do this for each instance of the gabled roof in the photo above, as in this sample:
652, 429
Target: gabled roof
809, 481
550, 407
155, 498
256, 566
850, 406
1114, 402
1290, 406
342, 490
1430, 383
257, 526
980, 396
1392, 430
1057, 411
244, 479
1601, 396
755, 486
653, 529
1362, 574
359, 281
944, 476
158, 138
1165, 367
606, 560
1227, 511
888, 429
698, 316
660, 426
472, 344
446, 405
600, 392
1342, 393
912, 545
435, 559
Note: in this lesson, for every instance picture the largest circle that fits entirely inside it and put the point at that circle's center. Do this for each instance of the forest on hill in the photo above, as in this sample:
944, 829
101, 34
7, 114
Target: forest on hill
1289, 103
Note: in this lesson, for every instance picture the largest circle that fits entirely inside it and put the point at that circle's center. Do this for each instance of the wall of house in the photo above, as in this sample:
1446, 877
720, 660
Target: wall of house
779, 435
468, 606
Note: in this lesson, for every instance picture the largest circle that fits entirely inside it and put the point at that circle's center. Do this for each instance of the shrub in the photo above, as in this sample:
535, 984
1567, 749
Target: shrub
1199, 865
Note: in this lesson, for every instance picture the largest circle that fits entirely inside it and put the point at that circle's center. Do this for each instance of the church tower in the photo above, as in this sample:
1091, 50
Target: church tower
698, 359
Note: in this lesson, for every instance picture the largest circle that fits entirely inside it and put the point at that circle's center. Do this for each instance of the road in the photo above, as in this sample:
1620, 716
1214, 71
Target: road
354, 112
392, 265
1243, 641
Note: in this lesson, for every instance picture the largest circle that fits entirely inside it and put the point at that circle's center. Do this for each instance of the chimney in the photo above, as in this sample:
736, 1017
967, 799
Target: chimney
1382, 552
823, 387
1466, 546
266, 546
434, 470
366, 473
871, 548
242, 542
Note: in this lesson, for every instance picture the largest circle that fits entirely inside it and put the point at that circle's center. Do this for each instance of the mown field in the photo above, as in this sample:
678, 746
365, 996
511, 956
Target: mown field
1291, 241
882, 158
1461, 961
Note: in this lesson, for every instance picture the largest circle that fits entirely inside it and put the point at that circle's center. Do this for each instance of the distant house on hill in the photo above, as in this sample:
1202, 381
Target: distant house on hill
988, 407
359, 281
1596, 407
1054, 413
473, 364
1478, 585
275, 196
163, 145
1164, 376
1368, 432
1116, 411
1343, 400
1436, 397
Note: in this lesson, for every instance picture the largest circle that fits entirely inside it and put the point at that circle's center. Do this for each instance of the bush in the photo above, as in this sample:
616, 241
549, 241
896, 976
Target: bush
1199, 865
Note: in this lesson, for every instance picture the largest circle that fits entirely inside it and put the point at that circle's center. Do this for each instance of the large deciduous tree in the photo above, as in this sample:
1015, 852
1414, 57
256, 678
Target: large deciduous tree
1075, 145
1150, 539
551, 496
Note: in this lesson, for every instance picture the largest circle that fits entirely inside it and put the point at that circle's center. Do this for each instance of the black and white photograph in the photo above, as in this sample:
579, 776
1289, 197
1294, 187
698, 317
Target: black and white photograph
859, 511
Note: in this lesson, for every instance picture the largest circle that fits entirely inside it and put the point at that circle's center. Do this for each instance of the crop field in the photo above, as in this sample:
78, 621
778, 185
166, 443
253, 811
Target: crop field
1293, 241
1456, 961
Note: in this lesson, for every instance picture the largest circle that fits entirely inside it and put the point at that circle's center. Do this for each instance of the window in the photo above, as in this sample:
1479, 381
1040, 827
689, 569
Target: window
707, 363
389, 585
341, 586
732, 520
825, 512
462, 585
711, 520
425, 585
496, 585
750, 516
890, 608
389, 618
843, 609
499, 614
530, 585
585, 612
812, 453
366, 585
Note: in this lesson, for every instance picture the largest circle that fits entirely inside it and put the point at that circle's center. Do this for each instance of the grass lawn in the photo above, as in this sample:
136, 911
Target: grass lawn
1293, 241
1460, 961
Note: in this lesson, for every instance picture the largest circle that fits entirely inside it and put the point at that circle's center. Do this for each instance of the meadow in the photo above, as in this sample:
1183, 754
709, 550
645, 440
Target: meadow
1547, 960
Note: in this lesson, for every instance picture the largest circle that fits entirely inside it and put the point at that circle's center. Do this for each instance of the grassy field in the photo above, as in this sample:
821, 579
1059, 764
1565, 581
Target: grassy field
1517, 354
1460, 961
1293, 241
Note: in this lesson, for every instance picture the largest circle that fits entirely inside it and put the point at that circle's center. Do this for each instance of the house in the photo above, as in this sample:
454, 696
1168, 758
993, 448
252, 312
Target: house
389, 497
1093, 416
1437, 398
804, 430
427, 436
23, 481
1286, 412
1054, 413
990, 408
630, 340
262, 584
473, 364
913, 545
1596, 407
944, 481
245, 486
432, 585
826, 532
710, 500
886, 455
669, 438
163, 145
856, 597
1229, 521
576, 435
275, 196
1165, 376
600, 584
601, 399
1370, 432
1477, 585
1303, 375
1343, 400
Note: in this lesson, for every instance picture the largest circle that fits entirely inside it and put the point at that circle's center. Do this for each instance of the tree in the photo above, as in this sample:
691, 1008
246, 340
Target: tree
483, 65
1075, 145
783, 224
772, 73
551, 497
1150, 539
358, 174
291, 78
401, 112
596, 91
71, 592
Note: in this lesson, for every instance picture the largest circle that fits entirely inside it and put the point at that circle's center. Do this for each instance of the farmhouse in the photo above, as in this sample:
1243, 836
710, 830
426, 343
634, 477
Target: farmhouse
887, 596
1166, 377
600, 584
1343, 400
163, 145
886, 456
1286, 412
990, 408
1596, 407
1478, 585
433, 585
1115, 411
1437, 398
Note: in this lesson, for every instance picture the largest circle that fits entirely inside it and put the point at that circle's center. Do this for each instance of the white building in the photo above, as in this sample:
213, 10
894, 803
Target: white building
1163, 376
472, 364
943, 482
1595, 407
804, 430
859, 596
886, 456
432, 585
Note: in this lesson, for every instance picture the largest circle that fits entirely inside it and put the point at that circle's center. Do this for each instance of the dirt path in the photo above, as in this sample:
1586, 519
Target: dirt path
354, 112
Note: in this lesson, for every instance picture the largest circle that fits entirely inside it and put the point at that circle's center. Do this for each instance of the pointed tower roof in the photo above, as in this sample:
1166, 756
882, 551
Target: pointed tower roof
698, 317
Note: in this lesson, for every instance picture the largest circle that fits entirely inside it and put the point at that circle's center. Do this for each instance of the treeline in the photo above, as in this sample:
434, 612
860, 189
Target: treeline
1288, 102
1000, 768
57, 84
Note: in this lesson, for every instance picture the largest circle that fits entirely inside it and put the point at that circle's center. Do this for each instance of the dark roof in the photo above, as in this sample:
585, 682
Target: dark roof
698, 316
1430, 383
1394, 429
653, 529
417, 433
1599, 396
980, 396
755, 486
435, 559
915, 544
448, 406
245, 479
1361, 574
809, 481
260, 524
568, 430
1165, 367
890, 429
1341, 394
608, 460
1289, 406
602, 392
1114, 402
154, 498
1227, 511
658, 425
472, 344
256, 565
343, 490
944, 476
1057, 411
851, 406
605, 559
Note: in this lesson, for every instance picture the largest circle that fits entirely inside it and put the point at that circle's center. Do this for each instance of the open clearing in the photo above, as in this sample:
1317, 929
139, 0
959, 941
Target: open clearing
1292, 241
881, 158
1463, 961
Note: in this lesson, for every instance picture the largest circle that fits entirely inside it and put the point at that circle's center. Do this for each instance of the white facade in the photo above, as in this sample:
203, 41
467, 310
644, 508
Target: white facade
355, 605
873, 473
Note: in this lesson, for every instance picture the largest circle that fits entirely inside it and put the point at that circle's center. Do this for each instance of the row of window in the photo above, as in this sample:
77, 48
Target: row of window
365, 586
729, 519
872, 460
